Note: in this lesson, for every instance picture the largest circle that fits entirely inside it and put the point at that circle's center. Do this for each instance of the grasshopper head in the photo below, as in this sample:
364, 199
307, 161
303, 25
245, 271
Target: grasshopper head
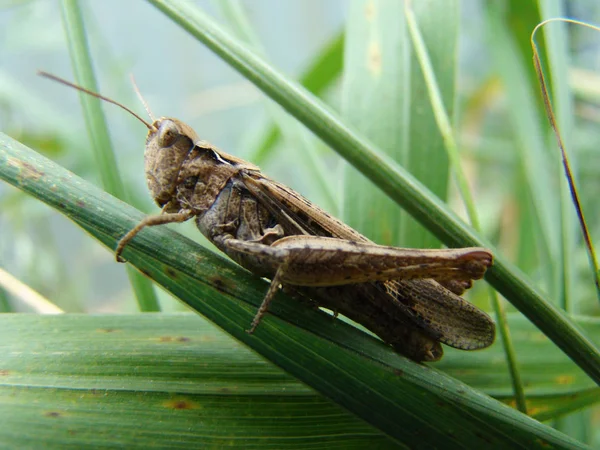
168, 144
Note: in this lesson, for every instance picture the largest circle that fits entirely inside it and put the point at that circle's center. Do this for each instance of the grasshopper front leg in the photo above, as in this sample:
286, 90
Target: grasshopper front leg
322, 261
151, 221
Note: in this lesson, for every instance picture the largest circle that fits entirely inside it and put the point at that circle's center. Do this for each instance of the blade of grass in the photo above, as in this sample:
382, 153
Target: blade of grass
441, 115
338, 360
556, 45
392, 179
5, 305
156, 381
27, 295
210, 382
486, 371
98, 132
566, 160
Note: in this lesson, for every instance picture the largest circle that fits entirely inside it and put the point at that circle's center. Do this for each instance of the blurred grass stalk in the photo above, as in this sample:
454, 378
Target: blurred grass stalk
99, 135
567, 161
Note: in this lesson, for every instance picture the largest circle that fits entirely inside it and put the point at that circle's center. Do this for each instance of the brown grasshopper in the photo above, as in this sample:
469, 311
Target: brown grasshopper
410, 298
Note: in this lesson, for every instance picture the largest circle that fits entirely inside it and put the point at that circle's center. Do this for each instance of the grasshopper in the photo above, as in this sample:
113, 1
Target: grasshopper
410, 298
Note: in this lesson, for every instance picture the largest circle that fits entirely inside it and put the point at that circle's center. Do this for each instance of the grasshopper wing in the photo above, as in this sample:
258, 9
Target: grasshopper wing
296, 214
431, 307
448, 317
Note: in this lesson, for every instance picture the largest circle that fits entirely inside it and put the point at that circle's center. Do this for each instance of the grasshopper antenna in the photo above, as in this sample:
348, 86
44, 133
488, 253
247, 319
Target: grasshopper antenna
94, 94
141, 97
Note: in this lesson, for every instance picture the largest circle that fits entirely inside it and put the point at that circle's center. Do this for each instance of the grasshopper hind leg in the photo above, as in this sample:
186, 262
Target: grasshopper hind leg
261, 259
264, 306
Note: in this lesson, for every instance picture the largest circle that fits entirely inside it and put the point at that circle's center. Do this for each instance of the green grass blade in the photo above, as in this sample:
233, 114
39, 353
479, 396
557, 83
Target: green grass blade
334, 358
155, 381
98, 132
557, 48
5, 305
209, 383
509, 351
400, 185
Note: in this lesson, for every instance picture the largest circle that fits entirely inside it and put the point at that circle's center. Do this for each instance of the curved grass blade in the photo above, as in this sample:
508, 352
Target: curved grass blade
209, 383
156, 381
565, 158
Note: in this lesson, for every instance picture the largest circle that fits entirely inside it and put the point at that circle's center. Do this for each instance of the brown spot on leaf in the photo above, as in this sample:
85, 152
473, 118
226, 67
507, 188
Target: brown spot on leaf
107, 330
171, 273
218, 283
173, 339
4, 372
81, 203
181, 403
26, 170
52, 414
